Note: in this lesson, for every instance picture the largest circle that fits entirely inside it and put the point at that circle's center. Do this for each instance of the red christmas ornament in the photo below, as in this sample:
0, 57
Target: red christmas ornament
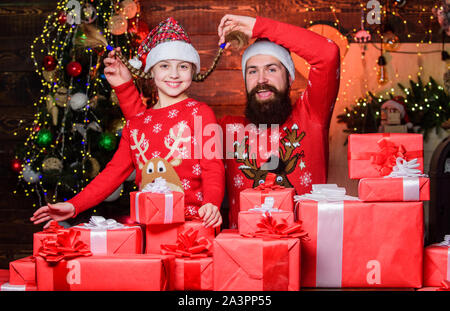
62, 17
16, 165
138, 28
74, 69
49, 63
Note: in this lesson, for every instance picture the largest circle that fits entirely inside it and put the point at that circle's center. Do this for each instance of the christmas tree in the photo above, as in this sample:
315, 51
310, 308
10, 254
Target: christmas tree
78, 122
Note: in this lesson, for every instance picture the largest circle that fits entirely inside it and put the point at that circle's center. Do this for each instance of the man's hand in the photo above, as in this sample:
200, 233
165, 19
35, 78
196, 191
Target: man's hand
57, 212
230, 23
115, 71
210, 215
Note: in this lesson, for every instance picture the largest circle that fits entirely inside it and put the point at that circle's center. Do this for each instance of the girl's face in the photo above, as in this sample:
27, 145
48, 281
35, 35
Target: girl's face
172, 77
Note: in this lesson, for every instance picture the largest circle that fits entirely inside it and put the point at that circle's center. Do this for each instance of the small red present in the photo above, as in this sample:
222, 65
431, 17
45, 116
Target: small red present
248, 221
193, 268
50, 232
436, 266
362, 244
157, 235
157, 208
375, 154
268, 193
22, 271
394, 189
107, 237
256, 263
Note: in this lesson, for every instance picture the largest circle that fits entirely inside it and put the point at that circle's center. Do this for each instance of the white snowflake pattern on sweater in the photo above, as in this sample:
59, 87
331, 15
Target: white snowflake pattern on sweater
147, 119
199, 196
196, 169
157, 128
186, 184
238, 181
173, 113
305, 179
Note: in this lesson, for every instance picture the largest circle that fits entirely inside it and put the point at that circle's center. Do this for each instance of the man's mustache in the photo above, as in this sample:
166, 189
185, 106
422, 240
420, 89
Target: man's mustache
263, 87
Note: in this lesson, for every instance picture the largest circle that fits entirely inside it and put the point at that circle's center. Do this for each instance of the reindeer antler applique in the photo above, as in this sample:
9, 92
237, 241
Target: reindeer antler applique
162, 167
287, 160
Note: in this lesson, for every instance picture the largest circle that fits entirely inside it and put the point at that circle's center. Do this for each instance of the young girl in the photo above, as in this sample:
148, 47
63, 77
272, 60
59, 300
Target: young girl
163, 132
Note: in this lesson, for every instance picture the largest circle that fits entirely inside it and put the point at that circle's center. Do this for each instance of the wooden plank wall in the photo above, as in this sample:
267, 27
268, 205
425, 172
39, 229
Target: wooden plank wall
21, 21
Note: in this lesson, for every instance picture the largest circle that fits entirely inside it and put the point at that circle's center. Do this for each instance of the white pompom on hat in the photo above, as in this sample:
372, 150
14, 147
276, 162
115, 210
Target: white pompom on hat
266, 47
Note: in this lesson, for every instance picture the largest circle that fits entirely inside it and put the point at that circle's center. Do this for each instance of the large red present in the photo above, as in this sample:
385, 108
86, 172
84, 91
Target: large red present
107, 237
249, 221
361, 244
193, 268
22, 271
50, 232
256, 264
375, 154
394, 189
269, 194
67, 264
157, 208
436, 263
156, 235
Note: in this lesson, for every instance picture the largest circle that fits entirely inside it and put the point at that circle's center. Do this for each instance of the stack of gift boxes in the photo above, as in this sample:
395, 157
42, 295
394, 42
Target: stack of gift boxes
323, 239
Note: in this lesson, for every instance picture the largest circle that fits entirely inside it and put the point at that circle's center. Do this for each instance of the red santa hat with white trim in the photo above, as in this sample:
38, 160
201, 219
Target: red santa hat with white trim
166, 41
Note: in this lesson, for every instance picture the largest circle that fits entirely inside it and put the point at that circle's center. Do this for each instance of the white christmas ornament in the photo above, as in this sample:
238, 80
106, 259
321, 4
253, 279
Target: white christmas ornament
29, 175
115, 195
78, 101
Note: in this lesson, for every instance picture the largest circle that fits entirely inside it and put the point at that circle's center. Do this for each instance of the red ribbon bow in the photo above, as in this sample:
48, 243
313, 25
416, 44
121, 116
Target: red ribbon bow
269, 183
188, 245
67, 245
445, 286
53, 228
386, 158
270, 228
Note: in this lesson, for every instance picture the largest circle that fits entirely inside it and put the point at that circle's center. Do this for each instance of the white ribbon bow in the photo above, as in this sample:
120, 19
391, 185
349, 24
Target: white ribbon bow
405, 168
100, 223
446, 241
159, 185
267, 206
325, 192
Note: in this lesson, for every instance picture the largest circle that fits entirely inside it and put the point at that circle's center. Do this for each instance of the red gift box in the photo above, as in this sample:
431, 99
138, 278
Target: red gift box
107, 237
256, 264
394, 189
192, 274
50, 232
124, 272
251, 198
157, 208
156, 235
248, 221
360, 244
375, 154
7, 287
436, 264
22, 271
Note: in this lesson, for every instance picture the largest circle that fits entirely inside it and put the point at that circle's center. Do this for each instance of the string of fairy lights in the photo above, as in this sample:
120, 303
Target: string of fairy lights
57, 36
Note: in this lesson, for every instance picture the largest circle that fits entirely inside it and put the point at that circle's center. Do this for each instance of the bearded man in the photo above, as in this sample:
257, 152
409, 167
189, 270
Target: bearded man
299, 130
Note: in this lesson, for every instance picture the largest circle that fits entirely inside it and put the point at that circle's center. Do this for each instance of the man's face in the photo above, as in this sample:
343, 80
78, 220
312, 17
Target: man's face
265, 69
267, 85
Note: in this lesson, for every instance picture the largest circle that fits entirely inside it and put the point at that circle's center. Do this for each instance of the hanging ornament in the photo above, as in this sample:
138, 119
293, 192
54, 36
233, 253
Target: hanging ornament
52, 109
78, 101
50, 76
390, 41
92, 167
62, 18
29, 175
60, 97
128, 8
382, 73
115, 195
16, 165
52, 164
107, 141
44, 137
89, 13
118, 25
49, 63
74, 69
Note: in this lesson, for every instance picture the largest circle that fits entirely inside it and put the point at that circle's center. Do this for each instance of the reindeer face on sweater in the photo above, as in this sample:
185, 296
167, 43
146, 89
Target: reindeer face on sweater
159, 167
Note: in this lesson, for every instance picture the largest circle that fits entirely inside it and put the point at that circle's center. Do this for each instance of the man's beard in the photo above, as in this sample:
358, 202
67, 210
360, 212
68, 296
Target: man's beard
272, 111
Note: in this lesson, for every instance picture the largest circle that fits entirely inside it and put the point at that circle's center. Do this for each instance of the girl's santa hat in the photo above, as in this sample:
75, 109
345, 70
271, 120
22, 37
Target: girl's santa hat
166, 41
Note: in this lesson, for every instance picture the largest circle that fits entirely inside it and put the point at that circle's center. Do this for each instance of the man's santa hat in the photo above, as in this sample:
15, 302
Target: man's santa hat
266, 47
398, 103
166, 41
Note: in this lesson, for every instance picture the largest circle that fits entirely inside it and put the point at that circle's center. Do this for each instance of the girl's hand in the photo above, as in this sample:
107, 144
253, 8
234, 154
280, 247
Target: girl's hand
210, 215
115, 71
59, 212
